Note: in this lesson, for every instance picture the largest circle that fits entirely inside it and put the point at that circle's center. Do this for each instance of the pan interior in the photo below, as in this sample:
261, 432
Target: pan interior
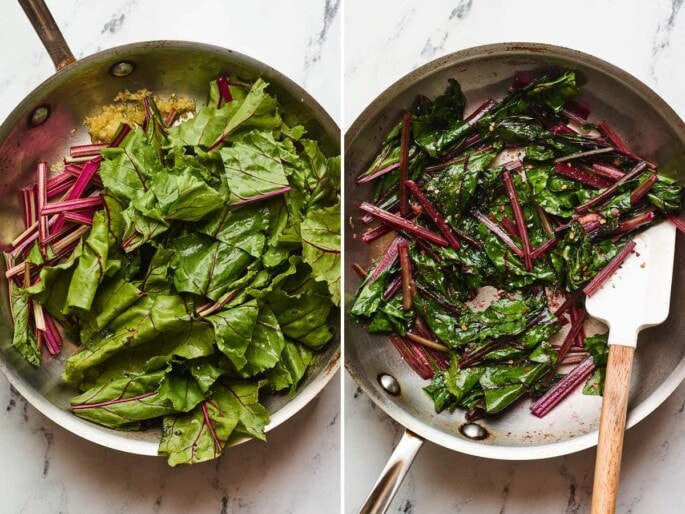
79, 90
648, 125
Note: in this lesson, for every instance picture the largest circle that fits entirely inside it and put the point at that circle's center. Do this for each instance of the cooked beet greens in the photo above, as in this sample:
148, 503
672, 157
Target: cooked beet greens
194, 265
524, 195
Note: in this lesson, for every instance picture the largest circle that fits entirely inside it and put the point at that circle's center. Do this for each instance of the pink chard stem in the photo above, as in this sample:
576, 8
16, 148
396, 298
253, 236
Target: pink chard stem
403, 224
601, 277
518, 216
404, 164
432, 211
563, 388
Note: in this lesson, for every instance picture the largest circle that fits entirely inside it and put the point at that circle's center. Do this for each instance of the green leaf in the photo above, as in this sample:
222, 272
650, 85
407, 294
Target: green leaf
452, 189
24, 339
125, 171
182, 194
253, 167
288, 371
321, 247
207, 268
123, 403
142, 322
267, 343
302, 308
244, 227
233, 330
195, 340
258, 111
203, 433
93, 265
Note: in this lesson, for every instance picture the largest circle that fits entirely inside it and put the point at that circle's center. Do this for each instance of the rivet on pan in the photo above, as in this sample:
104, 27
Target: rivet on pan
122, 69
39, 115
473, 431
389, 384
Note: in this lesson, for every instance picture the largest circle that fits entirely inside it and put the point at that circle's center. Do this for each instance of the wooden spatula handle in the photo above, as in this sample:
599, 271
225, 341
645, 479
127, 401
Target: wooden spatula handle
612, 424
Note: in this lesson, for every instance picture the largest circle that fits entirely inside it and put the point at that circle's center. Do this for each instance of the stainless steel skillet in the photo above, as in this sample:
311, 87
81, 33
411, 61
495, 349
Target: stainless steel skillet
649, 125
50, 120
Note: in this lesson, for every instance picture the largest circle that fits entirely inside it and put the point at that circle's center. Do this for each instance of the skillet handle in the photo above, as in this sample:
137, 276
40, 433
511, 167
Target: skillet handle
392, 475
44, 24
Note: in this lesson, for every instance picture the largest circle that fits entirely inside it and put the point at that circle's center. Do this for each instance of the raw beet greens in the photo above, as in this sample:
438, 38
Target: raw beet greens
513, 209
194, 265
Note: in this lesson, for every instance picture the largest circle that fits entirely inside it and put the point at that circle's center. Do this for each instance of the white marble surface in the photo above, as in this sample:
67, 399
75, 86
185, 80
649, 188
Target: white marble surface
44, 469
383, 41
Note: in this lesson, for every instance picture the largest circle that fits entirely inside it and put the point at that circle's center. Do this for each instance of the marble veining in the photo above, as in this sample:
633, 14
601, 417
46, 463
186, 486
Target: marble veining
461, 11
329, 14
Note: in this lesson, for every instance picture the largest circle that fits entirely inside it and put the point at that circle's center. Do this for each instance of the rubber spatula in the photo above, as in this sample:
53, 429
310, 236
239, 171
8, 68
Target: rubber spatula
636, 296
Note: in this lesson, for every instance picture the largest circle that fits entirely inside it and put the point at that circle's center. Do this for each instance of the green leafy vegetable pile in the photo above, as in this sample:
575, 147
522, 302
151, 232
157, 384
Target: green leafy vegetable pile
526, 197
194, 265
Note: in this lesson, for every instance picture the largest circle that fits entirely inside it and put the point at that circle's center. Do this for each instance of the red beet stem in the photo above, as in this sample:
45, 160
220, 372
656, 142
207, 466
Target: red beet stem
518, 216
576, 328
378, 173
29, 195
404, 164
414, 355
90, 150
424, 341
582, 176
561, 129
77, 217
393, 287
578, 315
387, 260
618, 143
481, 111
610, 191
608, 171
450, 158
42, 199
544, 248
53, 339
405, 264
59, 184
360, 271
224, 92
633, 223
679, 224
561, 389
570, 301
509, 226
403, 224
71, 205
577, 108
170, 117
371, 235
640, 191
377, 162
443, 165
495, 229
432, 211
581, 155
72, 238
608, 270
121, 133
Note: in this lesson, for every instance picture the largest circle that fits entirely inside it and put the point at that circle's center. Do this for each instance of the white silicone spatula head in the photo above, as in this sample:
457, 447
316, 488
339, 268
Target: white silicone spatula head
636, 296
